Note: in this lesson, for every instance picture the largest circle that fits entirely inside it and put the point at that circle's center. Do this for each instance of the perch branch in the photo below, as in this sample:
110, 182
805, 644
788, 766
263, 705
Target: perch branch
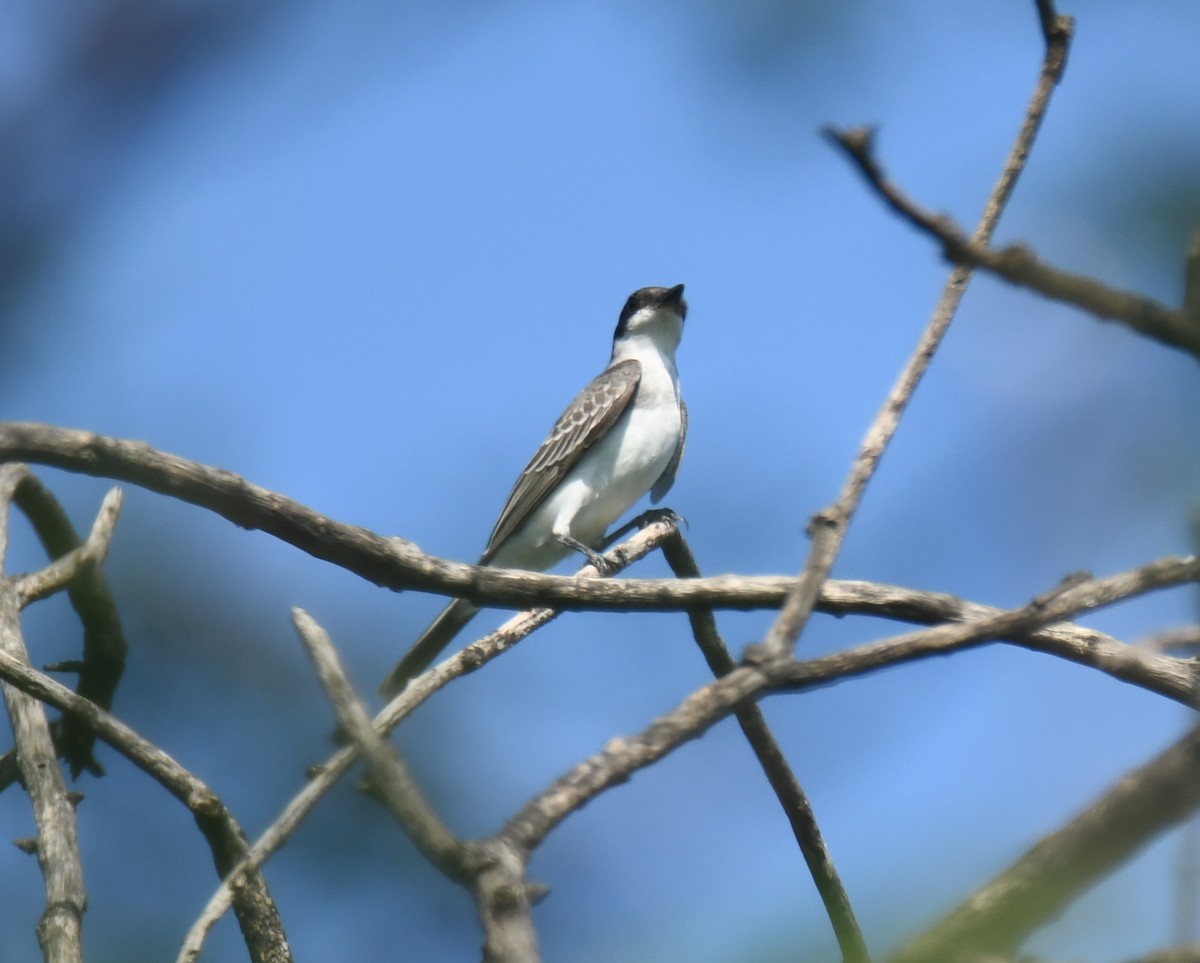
393, 563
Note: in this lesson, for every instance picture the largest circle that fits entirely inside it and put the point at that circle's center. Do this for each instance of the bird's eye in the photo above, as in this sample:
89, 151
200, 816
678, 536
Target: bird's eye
632, 306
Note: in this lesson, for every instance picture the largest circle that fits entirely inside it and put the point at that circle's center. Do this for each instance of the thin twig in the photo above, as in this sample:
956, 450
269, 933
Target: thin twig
256, 911
1162, 674
104, 645
791, 795
1076, 593
1170, 677
1074, 596
65, 569
325, 776
1018, 265
829, 526
59, 930
389, 776
495, 874
1184, 639
78, 565
622, 757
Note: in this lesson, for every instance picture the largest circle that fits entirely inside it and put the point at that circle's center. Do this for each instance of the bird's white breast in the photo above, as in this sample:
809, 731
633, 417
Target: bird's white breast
614, 473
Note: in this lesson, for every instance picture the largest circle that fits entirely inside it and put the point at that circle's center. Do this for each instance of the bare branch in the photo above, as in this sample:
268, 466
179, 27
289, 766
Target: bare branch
10, 477
1168, 676
325, 776
1172, 677
256, 912
792, 797
1185, 640
495, 873
1056, 28
1018, 265
691, 718
59, 930
503, 901
104, 644
828, 527
623, 756
1001, 915
66, 568
705, 707
390, 778
390, 562
701, 710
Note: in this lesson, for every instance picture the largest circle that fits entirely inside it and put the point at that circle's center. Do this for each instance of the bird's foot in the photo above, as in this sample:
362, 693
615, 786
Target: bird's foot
652, 515
602, 565
648, 517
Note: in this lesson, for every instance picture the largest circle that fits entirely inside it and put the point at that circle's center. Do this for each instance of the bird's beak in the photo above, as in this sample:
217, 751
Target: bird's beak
674, 295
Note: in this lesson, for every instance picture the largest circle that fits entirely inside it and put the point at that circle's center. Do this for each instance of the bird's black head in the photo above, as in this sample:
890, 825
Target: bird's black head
651, 300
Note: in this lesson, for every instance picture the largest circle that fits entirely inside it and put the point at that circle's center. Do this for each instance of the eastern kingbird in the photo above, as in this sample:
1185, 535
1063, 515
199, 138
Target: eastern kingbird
623, 435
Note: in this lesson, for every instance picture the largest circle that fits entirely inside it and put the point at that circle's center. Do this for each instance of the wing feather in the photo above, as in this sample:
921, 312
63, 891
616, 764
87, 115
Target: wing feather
585, 421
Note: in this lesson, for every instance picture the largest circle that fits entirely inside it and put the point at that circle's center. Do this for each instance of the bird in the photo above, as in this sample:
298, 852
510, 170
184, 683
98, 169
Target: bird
622, 436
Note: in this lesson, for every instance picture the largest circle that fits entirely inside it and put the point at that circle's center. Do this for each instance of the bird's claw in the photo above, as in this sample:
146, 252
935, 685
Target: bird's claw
652, 515
603, 566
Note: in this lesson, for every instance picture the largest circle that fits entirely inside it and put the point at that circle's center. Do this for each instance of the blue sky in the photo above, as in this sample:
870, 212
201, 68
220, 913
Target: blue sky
365, 256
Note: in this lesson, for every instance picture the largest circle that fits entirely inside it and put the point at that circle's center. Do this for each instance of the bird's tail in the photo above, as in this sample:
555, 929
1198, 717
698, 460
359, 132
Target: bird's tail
435, 638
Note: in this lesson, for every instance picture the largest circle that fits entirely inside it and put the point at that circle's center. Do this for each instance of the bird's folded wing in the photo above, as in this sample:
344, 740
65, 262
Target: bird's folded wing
667, 478
586, 420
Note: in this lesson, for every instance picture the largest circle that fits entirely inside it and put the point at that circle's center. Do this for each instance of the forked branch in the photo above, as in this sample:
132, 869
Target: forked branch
829, 526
